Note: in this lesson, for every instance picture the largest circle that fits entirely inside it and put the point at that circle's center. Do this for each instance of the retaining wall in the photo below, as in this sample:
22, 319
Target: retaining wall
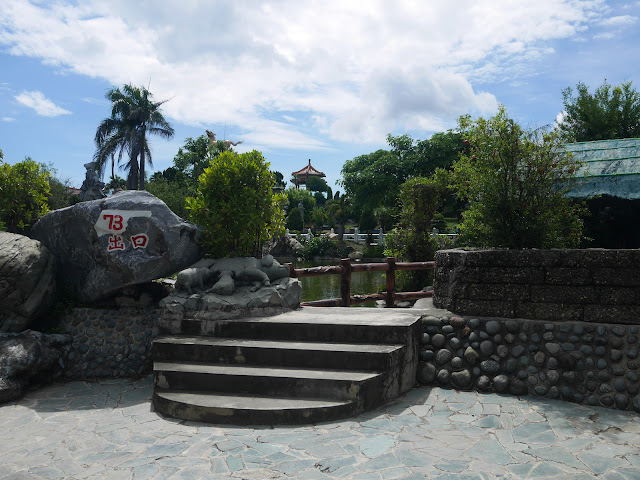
593, 285
109, 342
586, 363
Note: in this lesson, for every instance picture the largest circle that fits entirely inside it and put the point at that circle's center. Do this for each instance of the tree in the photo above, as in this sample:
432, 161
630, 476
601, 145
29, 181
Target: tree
411, 240
295, 196
611, 112
339, 211
515, 181
24, 190
236, 205
133, 116
373, 181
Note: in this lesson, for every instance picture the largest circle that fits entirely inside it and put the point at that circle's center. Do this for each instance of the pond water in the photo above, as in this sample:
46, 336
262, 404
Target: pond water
328, 286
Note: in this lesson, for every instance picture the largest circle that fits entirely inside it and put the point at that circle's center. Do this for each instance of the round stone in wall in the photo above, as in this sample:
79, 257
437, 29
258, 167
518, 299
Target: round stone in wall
438, 340
443, 356
461, 379
443, 377
426, 373
484, 384
490, 366
470, 355
492, 327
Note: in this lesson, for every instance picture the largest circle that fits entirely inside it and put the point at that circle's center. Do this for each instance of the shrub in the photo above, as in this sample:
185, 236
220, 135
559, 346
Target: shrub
515, 181
322, 247
24, 191
294, 220
236, 206
412, 241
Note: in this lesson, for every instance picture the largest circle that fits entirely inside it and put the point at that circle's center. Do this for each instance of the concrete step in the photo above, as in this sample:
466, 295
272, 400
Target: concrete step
363, 387
276, 352
238, 409
335, 324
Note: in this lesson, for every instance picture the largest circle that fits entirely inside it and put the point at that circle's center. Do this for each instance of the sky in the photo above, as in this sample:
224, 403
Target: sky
297, 80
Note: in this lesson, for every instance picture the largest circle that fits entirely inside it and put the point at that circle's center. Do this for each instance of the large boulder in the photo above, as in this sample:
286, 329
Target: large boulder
282, 247
27, 282
29, 358
104, 245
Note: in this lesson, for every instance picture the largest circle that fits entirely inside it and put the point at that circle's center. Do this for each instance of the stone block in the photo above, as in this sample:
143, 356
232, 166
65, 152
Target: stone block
562, 294
626, 314
550, 311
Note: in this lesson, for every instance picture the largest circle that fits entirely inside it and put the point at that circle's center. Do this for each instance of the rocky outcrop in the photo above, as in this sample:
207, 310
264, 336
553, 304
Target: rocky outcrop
282, 247
27, 283
29, 358
104, 245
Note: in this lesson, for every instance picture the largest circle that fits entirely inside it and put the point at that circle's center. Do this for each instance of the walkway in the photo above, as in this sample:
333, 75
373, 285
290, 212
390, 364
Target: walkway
105, 431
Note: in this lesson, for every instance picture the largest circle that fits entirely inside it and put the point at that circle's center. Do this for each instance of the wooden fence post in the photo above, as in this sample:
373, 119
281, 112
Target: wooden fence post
345, 284
391, 281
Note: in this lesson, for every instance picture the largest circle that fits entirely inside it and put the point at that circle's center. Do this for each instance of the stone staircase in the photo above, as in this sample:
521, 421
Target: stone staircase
305, 366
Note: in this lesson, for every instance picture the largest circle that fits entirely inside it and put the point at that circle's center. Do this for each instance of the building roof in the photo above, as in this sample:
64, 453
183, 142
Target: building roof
610, 167
308, 171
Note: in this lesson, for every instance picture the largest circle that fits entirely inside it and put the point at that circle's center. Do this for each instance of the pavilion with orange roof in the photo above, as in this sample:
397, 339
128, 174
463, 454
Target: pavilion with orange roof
301, 176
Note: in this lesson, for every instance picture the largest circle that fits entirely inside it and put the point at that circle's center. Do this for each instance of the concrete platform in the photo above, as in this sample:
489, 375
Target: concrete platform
107, 431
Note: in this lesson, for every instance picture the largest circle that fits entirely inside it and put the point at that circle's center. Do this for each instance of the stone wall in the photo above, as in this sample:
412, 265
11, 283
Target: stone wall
109, 342
592, 285
586, 363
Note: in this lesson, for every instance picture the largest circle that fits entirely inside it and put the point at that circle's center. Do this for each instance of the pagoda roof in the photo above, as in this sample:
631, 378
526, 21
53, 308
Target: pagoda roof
308, 170
609, 167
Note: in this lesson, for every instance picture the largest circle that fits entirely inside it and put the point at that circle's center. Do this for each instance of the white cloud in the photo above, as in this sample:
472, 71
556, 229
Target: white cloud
42, 105
8, 119
620, 21
604, 36
356, 72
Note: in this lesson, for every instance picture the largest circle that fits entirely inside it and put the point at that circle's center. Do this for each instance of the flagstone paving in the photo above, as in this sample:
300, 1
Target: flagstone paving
105, 430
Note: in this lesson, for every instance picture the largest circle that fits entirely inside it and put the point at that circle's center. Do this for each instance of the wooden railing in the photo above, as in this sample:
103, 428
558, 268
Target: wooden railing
346, 268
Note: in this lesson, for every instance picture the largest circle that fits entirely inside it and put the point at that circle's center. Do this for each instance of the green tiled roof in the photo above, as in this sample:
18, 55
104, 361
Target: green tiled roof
610, 167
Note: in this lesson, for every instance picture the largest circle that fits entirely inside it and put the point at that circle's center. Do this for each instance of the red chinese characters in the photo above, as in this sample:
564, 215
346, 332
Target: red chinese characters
139, 241
115, 243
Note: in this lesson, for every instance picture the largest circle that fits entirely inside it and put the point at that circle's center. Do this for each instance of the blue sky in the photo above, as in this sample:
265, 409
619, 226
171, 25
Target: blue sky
321, 80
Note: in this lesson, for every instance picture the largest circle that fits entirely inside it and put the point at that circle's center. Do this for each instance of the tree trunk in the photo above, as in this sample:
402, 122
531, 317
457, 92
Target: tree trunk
143, 132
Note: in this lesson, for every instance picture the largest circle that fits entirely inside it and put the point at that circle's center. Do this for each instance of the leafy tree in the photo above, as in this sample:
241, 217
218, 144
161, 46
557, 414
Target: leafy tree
373, 181
611, 112
24, 190
60, 194
411, 240
116, 184
515, 181
317, 184
133, 116
192, 158
295, 196
236, 205
294, 220
339, 211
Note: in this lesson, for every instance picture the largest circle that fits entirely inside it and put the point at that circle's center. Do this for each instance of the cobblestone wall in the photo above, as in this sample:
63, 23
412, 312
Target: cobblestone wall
594, 364
109, 343
592, 285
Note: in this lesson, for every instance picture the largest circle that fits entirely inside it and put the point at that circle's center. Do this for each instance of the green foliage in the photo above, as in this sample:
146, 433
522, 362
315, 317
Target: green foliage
318, 217
295, 196
173, 193
316, 184
24, 191
322, 247
611, 112
192, 158
411, 240
134, 115
373, 181
439, 223
116, 184
338, 212
515, 181
373, 251
236, 206
294, 220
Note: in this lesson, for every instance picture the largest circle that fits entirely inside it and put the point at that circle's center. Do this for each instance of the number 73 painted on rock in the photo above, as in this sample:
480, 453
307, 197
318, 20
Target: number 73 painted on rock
114, 223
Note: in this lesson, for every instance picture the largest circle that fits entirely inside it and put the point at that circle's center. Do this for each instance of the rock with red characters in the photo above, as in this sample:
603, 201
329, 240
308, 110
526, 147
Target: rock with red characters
104, 245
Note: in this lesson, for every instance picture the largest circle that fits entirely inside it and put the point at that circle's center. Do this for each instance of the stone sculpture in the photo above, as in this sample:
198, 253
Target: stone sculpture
104, 245
27, 282
227, 143
229, 273
92, 186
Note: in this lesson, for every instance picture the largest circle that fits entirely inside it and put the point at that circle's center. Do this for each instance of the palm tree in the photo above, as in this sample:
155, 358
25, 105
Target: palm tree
133, 116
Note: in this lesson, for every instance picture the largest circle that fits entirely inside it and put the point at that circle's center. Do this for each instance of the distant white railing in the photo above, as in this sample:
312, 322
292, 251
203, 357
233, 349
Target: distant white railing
358, 237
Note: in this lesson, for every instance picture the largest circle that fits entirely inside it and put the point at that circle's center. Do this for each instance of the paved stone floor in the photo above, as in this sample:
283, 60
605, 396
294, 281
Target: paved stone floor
106, 430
